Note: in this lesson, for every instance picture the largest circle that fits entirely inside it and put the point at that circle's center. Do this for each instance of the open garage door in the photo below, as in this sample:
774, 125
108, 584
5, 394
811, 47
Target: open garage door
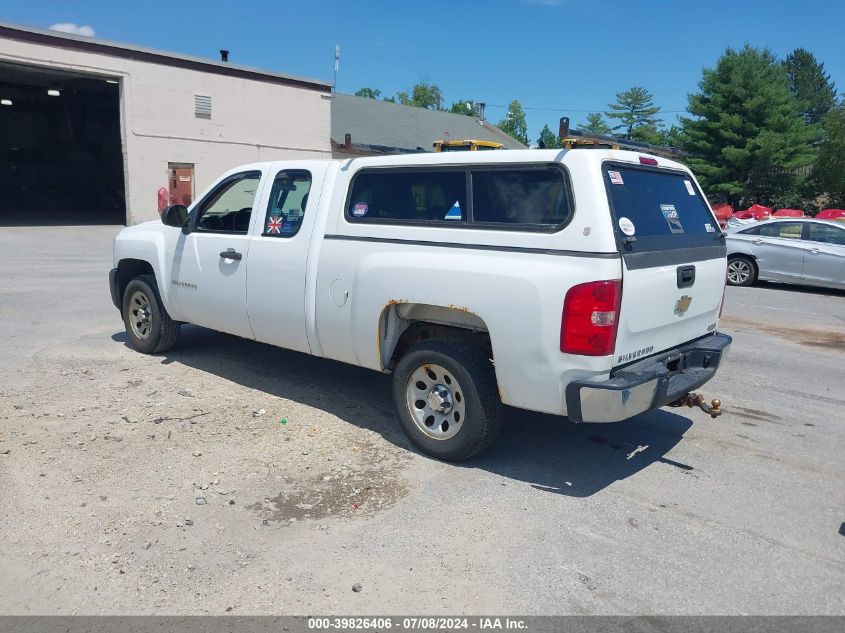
60, 148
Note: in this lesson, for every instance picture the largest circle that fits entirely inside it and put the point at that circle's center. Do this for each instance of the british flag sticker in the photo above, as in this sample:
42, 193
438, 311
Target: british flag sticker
274, 225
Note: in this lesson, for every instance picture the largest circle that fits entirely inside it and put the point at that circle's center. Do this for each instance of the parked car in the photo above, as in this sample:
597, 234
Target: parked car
802, 251
585, 283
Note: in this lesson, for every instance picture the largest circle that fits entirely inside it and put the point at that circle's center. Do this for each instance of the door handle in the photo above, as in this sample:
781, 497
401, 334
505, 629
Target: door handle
757, 242
685, 276
815, 251
231, 254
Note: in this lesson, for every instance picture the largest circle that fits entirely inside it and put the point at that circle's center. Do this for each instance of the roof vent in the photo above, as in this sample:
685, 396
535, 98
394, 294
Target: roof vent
202, 107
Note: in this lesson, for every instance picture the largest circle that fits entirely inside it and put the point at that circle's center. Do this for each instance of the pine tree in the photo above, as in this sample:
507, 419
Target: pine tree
746, 138
595, 124
829, 170
634, 109
548, 139
811, 85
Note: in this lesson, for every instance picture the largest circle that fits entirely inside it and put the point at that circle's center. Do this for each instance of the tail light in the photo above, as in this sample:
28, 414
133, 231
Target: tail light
647, 160
590, 318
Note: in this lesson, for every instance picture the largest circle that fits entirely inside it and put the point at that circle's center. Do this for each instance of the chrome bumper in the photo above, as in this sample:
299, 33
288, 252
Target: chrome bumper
649, 383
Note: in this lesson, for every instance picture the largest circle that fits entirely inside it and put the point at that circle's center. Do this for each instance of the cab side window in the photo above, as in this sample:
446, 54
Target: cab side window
411, 196
228, 207
827, 234
535, 197
288, 202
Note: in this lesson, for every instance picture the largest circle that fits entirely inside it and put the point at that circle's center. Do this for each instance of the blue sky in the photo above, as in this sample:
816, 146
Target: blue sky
556, 56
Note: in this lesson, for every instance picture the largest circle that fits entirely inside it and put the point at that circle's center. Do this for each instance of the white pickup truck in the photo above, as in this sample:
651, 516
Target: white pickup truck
583, 283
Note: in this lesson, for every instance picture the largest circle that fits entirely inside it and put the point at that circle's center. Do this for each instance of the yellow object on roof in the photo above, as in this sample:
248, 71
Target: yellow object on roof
470, 145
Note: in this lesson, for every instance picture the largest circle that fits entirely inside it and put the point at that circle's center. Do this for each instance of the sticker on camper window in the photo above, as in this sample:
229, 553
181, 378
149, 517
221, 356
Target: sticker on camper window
626, 226
709, 228
293, 214
360, 209
672, 219
274, 224
690, 189
615, 178
455, 212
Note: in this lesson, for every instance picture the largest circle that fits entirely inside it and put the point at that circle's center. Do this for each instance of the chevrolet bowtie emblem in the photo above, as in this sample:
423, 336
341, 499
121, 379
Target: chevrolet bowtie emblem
683, 305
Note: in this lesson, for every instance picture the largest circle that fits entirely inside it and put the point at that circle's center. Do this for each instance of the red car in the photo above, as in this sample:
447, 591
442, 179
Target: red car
788, 213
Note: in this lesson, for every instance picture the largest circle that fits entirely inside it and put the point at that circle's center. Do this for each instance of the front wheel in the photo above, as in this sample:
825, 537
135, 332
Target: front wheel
446, 400
149, 327
741, 271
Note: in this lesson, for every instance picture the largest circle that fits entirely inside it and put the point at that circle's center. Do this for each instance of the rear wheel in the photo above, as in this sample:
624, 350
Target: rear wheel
149, 327
445, 398
741, 271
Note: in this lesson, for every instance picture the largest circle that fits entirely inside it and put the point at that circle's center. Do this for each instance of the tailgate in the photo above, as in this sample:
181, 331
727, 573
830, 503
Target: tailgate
674, 259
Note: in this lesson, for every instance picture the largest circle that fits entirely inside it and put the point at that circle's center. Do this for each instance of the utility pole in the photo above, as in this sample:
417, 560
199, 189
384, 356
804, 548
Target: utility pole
336, 65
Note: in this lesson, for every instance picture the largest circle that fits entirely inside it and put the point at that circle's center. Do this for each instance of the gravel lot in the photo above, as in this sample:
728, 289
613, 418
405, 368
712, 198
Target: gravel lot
229, 476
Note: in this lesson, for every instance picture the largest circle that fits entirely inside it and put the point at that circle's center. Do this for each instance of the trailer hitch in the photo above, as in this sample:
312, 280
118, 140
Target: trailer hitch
697, 400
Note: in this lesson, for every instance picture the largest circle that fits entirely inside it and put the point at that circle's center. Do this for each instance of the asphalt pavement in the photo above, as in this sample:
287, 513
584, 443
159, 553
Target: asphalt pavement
669, 513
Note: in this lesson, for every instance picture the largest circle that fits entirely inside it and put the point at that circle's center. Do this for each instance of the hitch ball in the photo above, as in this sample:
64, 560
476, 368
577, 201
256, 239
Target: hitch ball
697, 400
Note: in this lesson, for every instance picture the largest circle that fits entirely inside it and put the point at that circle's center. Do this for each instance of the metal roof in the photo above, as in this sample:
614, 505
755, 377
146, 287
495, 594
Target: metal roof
393, 126
128, 51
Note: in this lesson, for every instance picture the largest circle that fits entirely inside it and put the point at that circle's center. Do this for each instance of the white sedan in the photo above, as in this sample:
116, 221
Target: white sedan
791, 250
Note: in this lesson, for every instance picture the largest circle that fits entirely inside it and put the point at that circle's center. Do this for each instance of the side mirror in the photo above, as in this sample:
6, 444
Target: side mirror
175, 215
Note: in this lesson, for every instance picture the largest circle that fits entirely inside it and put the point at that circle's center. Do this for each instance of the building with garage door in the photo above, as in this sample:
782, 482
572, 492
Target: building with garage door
92, 131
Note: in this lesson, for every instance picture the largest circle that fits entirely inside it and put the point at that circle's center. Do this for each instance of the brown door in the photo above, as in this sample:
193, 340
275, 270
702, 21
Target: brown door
181, 184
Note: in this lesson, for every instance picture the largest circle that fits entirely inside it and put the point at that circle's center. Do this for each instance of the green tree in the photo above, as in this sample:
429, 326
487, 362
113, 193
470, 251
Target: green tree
829, 171
514, 123
423, 95
811, 85
595, 124
648, 134
672, 136
464, 106
368, 93
745, 137
634, 109
548, 139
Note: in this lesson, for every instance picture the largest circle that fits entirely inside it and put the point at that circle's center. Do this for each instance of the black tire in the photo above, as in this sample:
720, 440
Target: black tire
742, 270
162, 332
469, 373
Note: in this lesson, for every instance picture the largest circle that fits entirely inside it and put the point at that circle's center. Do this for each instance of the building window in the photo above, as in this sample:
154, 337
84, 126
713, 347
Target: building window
202, 107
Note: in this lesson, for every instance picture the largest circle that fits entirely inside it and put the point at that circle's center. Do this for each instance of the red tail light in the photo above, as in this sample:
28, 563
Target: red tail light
646, 160
590, 318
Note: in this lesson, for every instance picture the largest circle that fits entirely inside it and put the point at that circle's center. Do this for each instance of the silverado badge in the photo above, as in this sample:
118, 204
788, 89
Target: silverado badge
683, 305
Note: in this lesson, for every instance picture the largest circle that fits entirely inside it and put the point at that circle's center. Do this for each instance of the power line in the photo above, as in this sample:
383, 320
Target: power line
494, 105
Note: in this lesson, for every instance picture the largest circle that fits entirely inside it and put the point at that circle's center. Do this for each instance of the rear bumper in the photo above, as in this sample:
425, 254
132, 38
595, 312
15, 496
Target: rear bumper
114, 288
649, 383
